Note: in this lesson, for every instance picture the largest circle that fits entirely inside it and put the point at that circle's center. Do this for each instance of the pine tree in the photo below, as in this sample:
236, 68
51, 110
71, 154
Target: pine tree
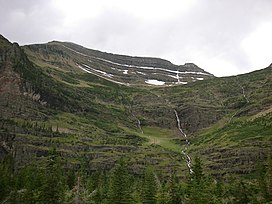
149, 189
269, 178
174, 191
197, 175
119, 192
6, 177
241, 193
99, 185
52, 189
199, 188
261, 171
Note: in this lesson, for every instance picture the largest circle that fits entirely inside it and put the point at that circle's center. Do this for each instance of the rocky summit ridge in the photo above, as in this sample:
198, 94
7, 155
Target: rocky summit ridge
122, 69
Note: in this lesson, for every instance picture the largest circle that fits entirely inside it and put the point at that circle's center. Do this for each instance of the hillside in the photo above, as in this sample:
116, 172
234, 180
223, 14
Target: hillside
95, 108
121, 69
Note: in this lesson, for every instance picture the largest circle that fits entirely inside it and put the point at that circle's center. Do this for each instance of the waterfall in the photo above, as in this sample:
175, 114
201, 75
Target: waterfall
184, 151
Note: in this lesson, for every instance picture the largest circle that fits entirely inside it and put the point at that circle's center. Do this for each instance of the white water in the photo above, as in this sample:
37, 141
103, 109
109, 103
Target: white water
243, 90
244, 95
178, 78
139, 126
138, 121
178, 122
184, 151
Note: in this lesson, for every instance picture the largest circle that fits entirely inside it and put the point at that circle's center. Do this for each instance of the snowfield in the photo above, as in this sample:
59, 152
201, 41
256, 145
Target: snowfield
154, 82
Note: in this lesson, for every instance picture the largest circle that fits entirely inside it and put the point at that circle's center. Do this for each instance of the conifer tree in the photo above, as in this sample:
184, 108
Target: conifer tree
197, 175
149, 189
199, 188
261, 171
52, 189
6, 178
173, 189
241, 193
269, 178
120, 191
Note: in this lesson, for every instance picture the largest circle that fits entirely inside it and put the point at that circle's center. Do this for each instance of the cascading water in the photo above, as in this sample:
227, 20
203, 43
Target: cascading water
187, 142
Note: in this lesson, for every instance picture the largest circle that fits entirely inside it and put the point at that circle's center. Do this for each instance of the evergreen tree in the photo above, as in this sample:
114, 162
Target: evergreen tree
120, 191
241, 193
269, 178
6, 177
52, 189
29, 182
100, 186
174, 189
149, 188
197, 175
261, 171
200, 188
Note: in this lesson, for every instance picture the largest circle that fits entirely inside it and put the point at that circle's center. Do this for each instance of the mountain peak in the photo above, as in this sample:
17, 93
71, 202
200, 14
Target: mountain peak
4, 42
123, 69
191, 65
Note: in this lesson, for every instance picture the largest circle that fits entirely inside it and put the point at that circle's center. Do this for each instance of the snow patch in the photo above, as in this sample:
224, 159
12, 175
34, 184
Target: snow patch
181, 82
200, 78
152, 68
154, 82
141, 73
88, 71
98, 71
125, 72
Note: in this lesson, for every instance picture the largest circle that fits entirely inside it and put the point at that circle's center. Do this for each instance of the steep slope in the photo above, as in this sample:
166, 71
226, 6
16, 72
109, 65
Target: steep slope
85, 117
118, 68
95, 118
228, 120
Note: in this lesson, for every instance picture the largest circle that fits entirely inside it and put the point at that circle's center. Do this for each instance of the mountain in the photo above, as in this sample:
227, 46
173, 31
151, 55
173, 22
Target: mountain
120, 69
96, 107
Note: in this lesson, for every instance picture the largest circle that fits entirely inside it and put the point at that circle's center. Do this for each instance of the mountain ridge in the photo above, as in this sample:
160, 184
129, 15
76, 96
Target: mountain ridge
124, 69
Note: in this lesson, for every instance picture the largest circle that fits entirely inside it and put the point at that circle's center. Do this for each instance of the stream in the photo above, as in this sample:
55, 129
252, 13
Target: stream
139, 126
187, 142
243, 90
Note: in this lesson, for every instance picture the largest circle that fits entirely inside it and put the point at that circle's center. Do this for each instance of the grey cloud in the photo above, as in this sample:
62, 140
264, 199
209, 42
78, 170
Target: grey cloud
212, 29
29, 21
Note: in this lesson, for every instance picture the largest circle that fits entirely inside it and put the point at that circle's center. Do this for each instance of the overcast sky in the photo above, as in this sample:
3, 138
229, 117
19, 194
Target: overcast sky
224, 37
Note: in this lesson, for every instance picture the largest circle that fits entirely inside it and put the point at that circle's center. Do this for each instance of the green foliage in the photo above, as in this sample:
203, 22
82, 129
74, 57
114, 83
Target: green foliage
47, 183
175, 190
149, 188
53, 187
6, 177
120, 191
200, 188
269, 178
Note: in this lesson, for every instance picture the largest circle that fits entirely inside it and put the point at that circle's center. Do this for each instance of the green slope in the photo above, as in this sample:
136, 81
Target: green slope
85, 116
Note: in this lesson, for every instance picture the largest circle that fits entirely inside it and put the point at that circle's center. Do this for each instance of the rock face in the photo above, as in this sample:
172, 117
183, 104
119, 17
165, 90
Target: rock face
9, 80
123, 69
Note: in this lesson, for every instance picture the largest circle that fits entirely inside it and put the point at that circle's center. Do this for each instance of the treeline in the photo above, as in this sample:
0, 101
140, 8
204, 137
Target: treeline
49, 182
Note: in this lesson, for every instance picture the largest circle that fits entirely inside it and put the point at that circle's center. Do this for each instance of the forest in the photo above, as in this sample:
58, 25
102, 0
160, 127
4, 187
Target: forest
51, 181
